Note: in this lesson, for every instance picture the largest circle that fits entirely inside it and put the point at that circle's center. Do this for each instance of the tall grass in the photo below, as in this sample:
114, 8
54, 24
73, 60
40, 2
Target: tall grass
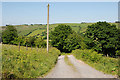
106, 64
27, 63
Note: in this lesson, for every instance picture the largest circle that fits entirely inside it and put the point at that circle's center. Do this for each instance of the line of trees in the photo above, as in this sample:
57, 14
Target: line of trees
10, 36
101, 36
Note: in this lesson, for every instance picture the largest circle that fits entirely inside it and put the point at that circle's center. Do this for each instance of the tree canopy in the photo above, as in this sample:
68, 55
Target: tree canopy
74, 41
39, 42
9, 34
65, 39
59, 35
102, 37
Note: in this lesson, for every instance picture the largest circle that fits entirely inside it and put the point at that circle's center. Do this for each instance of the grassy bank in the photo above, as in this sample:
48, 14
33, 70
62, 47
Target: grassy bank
27, 63
105, 64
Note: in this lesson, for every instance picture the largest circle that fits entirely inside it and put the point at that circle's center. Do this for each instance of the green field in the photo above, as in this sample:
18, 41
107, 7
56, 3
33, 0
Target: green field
26, 30
37, 32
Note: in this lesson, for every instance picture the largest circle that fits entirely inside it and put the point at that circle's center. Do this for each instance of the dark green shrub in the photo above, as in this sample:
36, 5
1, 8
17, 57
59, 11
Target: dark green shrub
9, 34
103, 38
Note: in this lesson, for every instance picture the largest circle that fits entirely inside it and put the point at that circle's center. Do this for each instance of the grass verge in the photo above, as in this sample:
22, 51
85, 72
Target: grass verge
27, 63
98, 61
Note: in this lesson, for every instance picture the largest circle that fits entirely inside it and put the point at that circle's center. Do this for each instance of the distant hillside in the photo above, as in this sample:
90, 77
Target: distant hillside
40, 30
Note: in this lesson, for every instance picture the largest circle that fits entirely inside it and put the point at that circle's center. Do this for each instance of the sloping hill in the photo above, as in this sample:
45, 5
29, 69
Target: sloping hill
38, 29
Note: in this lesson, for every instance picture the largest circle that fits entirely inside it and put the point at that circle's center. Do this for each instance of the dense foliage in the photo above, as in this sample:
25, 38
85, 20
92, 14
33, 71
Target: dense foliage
74, 41
27, 63
29, 41
59, 35
103, 37
9, 34
39, 42
91, 57
65, 39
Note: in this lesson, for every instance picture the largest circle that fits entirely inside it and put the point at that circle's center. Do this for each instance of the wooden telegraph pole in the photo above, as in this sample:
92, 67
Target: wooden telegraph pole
48, 30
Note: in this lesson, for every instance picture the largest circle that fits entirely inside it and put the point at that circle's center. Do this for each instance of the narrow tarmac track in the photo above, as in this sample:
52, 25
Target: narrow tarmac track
82, 70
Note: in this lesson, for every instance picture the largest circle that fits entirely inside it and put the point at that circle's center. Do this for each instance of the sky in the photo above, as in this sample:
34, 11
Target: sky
16, 13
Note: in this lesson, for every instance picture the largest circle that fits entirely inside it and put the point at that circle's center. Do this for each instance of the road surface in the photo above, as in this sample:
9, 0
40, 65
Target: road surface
80, 70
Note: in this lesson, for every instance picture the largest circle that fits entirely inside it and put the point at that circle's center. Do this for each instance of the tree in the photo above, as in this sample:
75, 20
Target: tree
117, 21
103, 37
31, 41
74, 41
9, 34
118, 45
26, 41
39, 42
17, 40
59, 35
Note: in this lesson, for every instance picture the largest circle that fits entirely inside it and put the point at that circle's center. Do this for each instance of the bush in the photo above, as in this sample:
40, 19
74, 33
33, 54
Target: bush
27, 63
9, 34
39, 42
18, 40
105, 64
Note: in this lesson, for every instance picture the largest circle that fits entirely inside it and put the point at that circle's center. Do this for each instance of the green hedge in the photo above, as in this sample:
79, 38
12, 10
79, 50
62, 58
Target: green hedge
27, 63
106, 64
